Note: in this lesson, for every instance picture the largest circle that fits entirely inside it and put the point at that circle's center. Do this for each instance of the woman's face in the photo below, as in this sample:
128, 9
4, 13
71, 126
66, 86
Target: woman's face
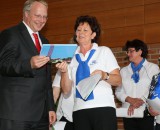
134, 55
84, 34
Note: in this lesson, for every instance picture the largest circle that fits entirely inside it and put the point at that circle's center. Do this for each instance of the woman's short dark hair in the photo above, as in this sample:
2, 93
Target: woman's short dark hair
93, 23
138, 45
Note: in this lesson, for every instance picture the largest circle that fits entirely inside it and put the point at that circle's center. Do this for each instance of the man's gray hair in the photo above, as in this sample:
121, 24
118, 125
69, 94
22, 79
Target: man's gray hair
28, 4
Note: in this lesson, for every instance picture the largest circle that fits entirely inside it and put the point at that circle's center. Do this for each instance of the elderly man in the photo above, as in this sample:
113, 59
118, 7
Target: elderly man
26, 98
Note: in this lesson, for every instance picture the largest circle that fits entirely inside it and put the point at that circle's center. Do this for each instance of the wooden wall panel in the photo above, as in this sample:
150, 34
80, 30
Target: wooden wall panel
118, 36
60, 39
63, 25
79, 7
7, 5
152, 13
152, 33
134, 16
108, 19
132, 3
151, 1
113, 37
11, 12
120, 20
12, 15
134, 32
111, 19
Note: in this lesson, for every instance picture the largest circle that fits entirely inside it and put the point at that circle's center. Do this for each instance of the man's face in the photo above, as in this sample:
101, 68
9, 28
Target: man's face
37, 16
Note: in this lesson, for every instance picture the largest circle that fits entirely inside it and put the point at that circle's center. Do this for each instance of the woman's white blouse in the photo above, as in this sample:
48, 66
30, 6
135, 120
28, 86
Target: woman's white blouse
103, 59
132, 89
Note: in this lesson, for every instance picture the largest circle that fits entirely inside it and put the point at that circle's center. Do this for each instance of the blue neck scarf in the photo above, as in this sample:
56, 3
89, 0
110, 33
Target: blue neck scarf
136, 70
83, 72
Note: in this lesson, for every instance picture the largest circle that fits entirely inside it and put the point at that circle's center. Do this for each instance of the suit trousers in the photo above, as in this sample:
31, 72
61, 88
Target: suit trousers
157, 126
42, 124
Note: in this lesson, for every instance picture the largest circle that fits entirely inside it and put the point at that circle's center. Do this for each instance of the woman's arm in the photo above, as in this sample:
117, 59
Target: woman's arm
113, 78
66, 83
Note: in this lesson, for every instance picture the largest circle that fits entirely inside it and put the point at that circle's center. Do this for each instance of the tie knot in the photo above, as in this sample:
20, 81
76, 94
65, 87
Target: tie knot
35, 35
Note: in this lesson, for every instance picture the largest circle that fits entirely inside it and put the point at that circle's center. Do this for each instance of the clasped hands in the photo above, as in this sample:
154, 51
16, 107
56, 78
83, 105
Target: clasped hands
134, 104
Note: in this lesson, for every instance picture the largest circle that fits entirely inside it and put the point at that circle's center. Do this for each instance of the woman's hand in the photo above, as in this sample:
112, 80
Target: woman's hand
102, 73
114, 78
62, 66
135, 102
66, 83
131, 110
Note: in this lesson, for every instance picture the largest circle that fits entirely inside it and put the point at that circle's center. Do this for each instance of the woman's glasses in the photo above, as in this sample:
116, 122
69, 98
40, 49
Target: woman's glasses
130, 51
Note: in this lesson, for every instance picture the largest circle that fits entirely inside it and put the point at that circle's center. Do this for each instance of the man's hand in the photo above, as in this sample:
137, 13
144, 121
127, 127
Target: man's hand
38, 61
52, 117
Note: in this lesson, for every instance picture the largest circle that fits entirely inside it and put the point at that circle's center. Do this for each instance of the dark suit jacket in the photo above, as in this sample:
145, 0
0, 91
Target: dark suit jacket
23, 91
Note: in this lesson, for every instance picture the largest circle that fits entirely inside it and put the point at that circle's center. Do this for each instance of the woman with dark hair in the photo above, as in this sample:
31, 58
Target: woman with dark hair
93, 23
137, 45
97, 112
136, 78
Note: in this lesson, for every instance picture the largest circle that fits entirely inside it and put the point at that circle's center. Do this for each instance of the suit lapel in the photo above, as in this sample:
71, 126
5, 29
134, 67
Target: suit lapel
27, 40
43, 40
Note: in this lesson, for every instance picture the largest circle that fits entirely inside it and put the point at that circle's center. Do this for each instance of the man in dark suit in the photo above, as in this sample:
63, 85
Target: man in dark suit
26, 98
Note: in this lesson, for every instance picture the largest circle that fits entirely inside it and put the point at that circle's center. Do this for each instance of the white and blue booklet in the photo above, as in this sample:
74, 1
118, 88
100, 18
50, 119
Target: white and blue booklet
123, 112
155, 104
87, 85
59, 52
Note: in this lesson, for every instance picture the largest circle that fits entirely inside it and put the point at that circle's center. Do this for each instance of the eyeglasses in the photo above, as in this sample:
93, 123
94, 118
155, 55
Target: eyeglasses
130, 51
41, 17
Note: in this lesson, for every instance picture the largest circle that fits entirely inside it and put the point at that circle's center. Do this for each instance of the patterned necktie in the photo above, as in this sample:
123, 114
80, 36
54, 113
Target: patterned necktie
83, 72
37, 43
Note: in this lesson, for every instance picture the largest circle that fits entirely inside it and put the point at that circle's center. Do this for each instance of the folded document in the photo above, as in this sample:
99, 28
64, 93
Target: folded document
87, 85
122, 112
154, 103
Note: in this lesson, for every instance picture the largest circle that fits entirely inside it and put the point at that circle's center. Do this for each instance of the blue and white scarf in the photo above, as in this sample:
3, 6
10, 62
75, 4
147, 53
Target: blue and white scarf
83, 71
136, 70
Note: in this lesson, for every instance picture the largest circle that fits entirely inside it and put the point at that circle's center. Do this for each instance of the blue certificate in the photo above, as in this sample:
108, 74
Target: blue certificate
58, 52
